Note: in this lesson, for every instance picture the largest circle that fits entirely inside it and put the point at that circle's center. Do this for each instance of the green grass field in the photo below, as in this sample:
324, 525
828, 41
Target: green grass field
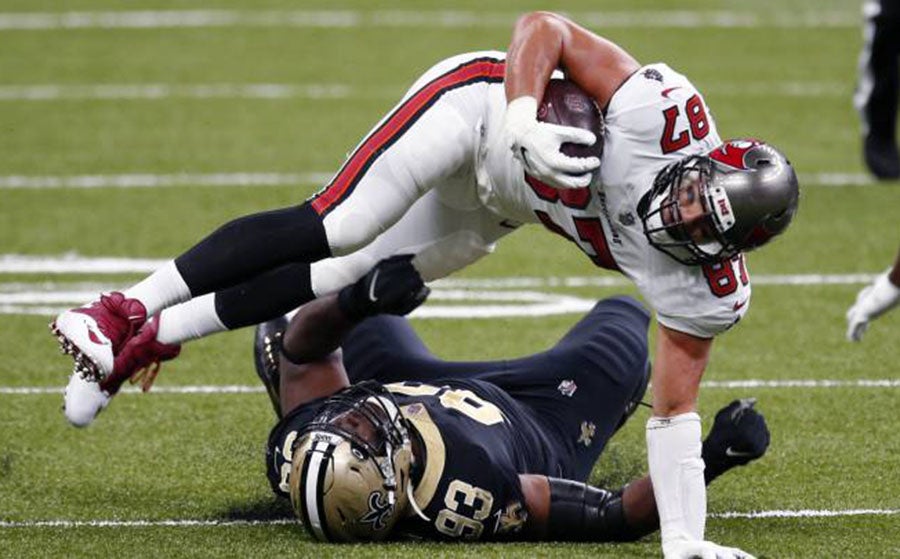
176, 473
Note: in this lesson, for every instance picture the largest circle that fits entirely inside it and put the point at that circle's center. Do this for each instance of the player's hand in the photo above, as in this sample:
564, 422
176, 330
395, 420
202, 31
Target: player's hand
537, 145
739, 435
871, 302
698, 549
393, 286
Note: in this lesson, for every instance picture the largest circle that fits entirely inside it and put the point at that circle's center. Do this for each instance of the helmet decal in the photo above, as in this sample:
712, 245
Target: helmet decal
721, 208
380, 510
749, 192
733, 152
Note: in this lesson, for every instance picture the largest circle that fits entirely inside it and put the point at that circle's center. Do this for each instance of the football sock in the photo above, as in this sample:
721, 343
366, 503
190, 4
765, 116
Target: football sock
264, 297
161, 289
189, 321
248, 246
676, 469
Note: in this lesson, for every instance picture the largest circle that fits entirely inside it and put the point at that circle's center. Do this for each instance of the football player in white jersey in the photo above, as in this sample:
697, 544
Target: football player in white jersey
460, 162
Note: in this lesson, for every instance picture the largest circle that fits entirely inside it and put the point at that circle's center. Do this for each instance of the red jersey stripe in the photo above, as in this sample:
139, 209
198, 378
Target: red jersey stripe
473, 71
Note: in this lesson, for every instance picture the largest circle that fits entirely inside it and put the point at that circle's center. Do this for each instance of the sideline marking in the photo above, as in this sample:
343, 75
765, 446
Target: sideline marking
806, 513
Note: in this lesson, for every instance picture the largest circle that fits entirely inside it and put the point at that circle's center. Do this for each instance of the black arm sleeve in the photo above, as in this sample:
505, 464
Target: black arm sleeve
579, 512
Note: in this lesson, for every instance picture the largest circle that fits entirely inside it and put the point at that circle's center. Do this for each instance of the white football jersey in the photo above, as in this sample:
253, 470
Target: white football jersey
656, 117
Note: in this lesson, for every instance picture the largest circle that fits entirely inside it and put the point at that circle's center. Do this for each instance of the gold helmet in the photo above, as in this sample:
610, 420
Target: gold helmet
350, 473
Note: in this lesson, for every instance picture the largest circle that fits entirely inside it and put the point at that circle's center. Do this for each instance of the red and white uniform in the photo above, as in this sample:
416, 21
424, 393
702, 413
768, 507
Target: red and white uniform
435, 177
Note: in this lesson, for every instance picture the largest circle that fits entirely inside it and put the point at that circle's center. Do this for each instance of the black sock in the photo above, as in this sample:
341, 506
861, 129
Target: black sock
252, 245
265, 297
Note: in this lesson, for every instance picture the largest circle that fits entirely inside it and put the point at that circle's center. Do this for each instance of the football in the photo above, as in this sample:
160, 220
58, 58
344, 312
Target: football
565, 103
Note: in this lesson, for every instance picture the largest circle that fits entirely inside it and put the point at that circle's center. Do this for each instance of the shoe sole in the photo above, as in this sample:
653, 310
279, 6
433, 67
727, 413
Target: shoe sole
92, 361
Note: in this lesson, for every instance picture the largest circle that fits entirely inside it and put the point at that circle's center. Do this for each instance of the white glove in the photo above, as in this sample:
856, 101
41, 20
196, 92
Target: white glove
537, 145
698, 549
871, 302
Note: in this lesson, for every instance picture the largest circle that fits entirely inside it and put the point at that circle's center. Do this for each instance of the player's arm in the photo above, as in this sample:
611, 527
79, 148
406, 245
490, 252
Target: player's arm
311, 365
544, 41
569, 510
541, 43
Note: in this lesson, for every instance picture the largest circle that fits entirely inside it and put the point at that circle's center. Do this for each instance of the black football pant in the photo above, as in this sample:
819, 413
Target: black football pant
581, 390
258, 265
879, 74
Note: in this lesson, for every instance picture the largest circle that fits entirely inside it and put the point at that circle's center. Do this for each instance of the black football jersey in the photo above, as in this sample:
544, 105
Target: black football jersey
476, 441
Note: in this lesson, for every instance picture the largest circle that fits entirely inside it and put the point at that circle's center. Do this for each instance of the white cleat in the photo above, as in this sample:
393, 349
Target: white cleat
95, 333
80, 336
84, 399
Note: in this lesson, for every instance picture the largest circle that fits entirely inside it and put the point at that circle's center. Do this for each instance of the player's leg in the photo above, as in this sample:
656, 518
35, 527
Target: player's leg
445, 239
424, 140
877, 92
584, 387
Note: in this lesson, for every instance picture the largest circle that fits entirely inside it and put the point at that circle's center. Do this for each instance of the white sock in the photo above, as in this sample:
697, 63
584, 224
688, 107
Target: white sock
676, 470
163, 288
189, 321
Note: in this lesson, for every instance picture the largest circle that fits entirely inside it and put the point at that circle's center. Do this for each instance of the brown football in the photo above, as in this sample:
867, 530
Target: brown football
567, 104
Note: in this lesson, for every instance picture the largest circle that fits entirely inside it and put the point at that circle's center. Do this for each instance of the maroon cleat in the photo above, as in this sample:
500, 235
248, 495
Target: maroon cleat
95, 334
140, 358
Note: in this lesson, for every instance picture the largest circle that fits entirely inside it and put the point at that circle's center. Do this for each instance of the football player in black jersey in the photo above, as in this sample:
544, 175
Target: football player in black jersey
378, 437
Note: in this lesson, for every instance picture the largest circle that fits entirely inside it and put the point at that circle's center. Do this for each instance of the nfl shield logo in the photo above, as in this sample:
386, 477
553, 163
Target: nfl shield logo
567, 387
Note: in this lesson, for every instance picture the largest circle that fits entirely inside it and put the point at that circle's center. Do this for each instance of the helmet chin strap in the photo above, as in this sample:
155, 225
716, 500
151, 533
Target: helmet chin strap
412, 502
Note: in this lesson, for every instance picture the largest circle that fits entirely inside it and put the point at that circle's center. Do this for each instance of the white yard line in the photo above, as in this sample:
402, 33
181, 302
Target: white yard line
188, 523
250, 178
151, 180
508, 297
511, 303
76, 264
117, 92
352, 19
324, 91
807, 513
255, 389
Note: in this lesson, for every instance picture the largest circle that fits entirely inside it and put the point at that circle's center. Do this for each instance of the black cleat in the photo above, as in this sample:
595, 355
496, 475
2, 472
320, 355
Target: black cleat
266, 350
882, 158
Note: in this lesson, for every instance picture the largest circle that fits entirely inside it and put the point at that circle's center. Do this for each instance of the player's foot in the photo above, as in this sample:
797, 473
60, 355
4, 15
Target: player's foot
266, 349
882, 158
94, 334
138, 360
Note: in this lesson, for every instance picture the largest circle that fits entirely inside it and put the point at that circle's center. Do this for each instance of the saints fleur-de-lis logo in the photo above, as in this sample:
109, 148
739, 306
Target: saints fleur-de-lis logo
379, 511
588, 430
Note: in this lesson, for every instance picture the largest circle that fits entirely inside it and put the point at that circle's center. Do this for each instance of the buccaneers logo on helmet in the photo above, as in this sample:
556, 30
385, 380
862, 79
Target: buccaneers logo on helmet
749, 194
